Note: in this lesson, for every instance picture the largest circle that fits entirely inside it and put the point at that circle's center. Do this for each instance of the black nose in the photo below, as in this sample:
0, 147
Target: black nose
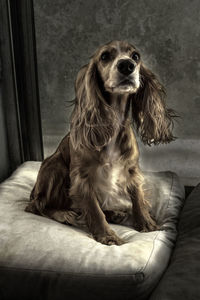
125, 66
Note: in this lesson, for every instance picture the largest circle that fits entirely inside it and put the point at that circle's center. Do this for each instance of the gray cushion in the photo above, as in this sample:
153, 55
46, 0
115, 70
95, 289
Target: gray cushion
43, 259
182, 278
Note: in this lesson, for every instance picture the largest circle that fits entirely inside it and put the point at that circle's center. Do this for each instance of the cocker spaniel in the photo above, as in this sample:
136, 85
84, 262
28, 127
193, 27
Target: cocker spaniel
97, 162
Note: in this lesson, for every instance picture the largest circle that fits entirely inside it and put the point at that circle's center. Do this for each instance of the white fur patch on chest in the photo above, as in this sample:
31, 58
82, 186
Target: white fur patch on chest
110, 182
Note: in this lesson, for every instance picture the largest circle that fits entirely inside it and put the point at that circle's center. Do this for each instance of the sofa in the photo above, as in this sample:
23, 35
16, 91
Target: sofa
43, 259
181, 279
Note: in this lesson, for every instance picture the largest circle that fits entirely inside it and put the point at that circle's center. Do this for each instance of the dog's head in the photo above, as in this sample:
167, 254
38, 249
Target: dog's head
119, 66
117, 69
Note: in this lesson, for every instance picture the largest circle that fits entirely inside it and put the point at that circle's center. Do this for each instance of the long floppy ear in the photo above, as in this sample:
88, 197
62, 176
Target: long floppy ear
92, 123
153, 120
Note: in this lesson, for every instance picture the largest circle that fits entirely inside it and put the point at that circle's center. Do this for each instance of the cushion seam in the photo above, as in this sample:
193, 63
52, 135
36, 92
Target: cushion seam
152, 250
169, 200
70, 273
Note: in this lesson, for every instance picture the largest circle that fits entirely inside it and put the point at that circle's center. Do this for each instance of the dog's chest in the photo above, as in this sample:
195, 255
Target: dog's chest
111, 180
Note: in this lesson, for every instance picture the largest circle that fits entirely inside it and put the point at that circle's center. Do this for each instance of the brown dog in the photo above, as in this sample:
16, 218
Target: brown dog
97, 162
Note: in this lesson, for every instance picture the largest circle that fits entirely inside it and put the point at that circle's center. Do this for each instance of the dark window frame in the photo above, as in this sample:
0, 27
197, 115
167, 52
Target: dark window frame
20, 90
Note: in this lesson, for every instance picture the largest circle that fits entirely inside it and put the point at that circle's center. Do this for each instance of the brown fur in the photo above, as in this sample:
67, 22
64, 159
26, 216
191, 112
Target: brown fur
98, 160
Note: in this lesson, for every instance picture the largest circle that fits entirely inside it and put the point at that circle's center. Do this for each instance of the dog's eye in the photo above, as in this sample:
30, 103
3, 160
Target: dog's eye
105, 56
136, 56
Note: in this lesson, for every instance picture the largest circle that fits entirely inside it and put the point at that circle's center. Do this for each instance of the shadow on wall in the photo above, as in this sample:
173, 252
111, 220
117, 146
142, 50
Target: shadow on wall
68, 32
4, 159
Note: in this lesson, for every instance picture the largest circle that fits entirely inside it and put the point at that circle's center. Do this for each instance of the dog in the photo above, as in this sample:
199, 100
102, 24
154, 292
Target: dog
96, 163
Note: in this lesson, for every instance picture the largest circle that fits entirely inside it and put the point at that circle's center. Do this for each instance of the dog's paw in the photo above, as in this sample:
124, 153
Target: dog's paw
109, 239
152, 224
31, 208
67, 217
147, 226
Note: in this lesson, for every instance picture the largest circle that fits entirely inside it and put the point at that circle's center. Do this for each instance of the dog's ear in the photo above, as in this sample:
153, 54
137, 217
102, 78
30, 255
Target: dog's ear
153, 120
92, 123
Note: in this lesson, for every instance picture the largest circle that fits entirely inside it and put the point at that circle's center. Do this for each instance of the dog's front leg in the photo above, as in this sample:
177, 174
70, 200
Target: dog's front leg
142, 220
98, 225
84, 196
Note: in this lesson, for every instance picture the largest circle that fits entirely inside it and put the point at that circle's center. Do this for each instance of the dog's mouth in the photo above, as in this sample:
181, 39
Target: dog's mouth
125, 86
125, 82
122, 85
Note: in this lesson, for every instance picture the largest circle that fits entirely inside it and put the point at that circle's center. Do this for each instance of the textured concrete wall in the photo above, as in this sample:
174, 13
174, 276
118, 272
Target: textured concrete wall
167, 34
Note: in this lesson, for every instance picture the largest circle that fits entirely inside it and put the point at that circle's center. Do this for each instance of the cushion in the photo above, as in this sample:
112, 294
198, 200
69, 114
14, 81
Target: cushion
181, 280
43, 259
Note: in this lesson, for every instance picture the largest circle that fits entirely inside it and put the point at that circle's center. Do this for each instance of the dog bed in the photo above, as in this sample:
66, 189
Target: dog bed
43, 259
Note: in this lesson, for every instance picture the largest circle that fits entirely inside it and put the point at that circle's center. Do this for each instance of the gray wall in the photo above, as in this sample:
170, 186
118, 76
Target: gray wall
168, 35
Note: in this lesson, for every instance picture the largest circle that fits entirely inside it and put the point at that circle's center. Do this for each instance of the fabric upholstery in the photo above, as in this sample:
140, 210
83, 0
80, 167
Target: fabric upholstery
43, 259
182, 278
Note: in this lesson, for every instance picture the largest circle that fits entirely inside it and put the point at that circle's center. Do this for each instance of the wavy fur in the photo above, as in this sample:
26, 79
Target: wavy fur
153, 120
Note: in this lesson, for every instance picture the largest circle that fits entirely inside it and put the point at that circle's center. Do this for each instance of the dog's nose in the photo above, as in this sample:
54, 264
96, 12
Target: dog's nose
125, 66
